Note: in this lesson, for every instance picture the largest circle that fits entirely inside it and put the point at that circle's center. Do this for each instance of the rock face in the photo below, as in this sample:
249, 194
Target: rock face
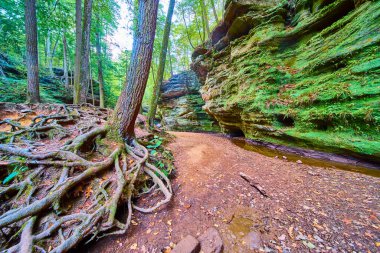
300, 73
181, 105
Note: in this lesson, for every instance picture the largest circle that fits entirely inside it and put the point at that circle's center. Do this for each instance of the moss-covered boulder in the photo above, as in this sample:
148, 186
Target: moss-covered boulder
303, 73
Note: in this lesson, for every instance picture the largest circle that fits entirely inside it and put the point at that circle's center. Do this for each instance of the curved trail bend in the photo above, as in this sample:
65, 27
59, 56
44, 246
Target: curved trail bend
309, 208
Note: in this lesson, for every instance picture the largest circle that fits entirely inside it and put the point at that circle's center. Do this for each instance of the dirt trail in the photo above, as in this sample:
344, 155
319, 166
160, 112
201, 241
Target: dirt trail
309, 209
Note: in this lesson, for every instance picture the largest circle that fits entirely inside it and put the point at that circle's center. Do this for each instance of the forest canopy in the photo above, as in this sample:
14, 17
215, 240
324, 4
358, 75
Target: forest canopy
113, 23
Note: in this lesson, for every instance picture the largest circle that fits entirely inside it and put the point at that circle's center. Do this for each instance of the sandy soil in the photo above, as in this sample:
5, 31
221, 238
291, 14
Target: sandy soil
309, 208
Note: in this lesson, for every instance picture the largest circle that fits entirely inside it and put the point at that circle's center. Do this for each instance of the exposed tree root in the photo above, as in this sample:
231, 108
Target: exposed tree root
69, 191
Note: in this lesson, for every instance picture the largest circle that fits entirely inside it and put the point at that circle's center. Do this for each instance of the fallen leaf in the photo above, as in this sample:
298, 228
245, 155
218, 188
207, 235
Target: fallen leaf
149, 231
133, 246
308, 244
169, 222
290, 232
347, 221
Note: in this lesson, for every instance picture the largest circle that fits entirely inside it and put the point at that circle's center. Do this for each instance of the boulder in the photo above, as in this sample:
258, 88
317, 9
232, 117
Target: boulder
211, 242
253, 240
187, 245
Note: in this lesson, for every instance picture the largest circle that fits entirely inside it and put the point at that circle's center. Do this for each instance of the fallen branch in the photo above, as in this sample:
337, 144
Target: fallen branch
253, 184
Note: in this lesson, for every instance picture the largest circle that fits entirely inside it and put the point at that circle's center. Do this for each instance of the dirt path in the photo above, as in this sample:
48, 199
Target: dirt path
309, 208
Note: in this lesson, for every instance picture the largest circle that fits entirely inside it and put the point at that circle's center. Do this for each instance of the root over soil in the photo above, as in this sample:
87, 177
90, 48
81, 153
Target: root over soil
62, 180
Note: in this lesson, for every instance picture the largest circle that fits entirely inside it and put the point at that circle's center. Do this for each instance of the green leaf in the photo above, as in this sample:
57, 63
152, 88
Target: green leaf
156, 145
11, 176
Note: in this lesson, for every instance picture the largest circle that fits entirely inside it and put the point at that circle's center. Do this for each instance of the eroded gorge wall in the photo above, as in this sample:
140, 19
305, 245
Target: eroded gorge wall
300, 72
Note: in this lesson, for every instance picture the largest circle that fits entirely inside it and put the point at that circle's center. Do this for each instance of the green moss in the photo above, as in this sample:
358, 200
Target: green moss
314, 85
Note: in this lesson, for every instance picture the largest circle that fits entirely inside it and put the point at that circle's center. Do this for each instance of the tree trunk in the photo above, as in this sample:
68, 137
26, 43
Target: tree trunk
100, 67
161, 65
170, 59
48, 53
129, 102
214, 11
78, 49
65, 62
33, 94
199, 29
187, 30
206, 26
85, 64
54, 50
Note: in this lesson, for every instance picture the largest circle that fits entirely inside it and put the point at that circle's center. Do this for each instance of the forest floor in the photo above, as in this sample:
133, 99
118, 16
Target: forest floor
309, 208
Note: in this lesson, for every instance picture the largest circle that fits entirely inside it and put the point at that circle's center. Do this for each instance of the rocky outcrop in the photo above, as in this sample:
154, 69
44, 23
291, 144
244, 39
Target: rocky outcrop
181, 105
298, 72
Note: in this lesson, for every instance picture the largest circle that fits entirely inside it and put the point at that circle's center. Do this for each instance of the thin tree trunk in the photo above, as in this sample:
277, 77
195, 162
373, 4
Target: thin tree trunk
85, 64
199, 29
78, 50
48, 53
187, 29
92, 88
214, 11
100, 67
170, 59
161, 65
54, 50
129, 102
65, 62
33, 94
153, 75
206, 26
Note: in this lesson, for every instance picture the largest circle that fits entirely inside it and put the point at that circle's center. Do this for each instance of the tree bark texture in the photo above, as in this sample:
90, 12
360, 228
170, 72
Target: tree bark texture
65, 62
100, 66
33, 93
205, 20
85, 61
78, 49
161, 64
214, 11
129, 102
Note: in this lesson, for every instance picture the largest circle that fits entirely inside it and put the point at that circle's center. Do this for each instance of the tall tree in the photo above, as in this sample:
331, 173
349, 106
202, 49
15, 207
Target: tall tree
78, 50
33, 94
170, 59
205, 21
214, 11
100, 66
85, 61
129, 102
65, 62
49, 57
161, 64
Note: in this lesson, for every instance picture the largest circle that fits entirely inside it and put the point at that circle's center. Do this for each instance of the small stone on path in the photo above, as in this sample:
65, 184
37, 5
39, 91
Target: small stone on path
187, 245
253, 240
211, 242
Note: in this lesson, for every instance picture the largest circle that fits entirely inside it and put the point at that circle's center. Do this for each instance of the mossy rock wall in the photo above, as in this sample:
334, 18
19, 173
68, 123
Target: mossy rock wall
307, 73
181, 104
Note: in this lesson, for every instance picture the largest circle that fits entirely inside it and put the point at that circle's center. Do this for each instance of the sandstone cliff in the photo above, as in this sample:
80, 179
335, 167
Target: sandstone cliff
299, 72
181, 105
